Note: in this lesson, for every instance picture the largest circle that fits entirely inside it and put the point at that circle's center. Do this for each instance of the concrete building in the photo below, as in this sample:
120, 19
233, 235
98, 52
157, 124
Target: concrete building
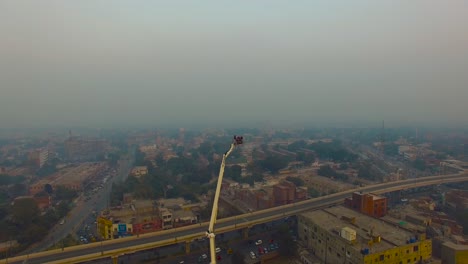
138, 217
342, 235
286, 192
38, 157
72, 177
454, 253
369, 204
176, 212
84, 149
139, 171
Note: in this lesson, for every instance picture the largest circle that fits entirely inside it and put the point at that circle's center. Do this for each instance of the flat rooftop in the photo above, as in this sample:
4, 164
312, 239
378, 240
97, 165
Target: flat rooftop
333, 220
373, 195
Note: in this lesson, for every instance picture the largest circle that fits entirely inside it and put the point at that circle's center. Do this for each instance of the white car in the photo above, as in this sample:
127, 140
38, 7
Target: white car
204, 256
218, 250
252, 255
258, 242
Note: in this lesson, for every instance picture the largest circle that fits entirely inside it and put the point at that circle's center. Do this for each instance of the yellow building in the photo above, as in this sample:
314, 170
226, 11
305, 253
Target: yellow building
104, 228
454, 253
341, 235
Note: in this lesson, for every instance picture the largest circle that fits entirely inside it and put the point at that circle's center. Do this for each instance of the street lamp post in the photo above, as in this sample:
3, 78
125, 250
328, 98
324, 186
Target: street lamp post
214, 213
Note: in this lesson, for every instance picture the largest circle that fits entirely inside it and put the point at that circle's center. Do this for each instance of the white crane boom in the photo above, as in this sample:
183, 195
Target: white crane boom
214, 213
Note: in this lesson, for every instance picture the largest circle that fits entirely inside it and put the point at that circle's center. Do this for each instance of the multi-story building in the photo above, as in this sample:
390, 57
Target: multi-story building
368, 203
72, 177
342, 235
286, 192
138, 217
166, 216
38, 157
454, 253
84, 149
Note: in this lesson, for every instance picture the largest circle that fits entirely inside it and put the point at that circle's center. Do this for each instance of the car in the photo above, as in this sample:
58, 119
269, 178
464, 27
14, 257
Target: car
252, 255
258, 242
204, 256
218, 250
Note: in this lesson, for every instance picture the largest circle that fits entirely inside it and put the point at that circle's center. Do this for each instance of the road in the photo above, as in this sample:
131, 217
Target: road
83, 208
174, 254
126, 245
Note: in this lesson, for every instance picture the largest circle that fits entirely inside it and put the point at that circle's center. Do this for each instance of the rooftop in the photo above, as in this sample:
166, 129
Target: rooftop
334, 219
374, 196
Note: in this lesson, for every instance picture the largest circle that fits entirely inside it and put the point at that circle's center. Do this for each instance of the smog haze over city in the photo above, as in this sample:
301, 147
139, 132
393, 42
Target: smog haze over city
183, 63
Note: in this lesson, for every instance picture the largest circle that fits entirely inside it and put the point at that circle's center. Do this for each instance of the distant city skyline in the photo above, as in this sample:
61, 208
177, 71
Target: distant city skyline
211, 63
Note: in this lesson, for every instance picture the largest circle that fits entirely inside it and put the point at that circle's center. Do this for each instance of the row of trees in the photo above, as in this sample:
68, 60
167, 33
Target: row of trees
333, 151
23, 221
329, 172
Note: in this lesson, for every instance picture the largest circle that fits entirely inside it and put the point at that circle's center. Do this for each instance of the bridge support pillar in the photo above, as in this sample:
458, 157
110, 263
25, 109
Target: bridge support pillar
187, 247
245, 233
115, 259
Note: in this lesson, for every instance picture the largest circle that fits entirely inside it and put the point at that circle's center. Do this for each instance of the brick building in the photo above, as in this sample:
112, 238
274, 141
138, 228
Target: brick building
368, 203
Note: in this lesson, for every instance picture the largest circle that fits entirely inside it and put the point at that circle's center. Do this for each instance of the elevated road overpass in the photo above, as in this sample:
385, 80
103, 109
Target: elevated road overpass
118, 247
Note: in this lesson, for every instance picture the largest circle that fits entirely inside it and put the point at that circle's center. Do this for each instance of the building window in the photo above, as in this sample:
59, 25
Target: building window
382, 257
415, 248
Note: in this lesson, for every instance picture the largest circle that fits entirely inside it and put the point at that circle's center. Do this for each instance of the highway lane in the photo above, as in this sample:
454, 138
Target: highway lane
83, 209
236, 222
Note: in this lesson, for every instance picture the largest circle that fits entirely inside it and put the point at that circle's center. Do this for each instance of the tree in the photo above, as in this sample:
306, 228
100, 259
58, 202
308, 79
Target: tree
327, 171
295, 146
419, 164
18, 189
234, 172
31, 234
48, 189
62, 209
274, 163
7, 180
313, 193
391, 149
344, 166
365, 173
63, 193
297, 181
25, 212
48, 169
139, 158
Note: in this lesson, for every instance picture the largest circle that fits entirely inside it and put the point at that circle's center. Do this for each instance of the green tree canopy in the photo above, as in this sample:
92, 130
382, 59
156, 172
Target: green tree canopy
297, 181
25, 211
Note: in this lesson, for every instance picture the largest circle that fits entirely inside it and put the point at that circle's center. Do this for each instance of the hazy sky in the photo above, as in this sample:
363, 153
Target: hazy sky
99, 63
